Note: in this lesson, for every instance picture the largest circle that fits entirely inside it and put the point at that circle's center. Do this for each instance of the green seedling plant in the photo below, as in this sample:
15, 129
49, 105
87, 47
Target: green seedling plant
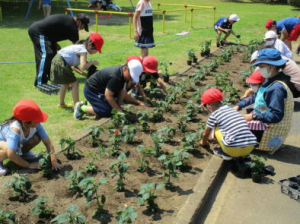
118, 118
191, 111
181, 88
244, 75
164, 68
128, 133
163, 104
154, 91
91, 167
40, 208
189, 142
180, 157
226, 56
144, 153
72, 217
205, 47
169, 163
91, 192
172, 96
147, 194
257, 164
157, 140
94, 135
143, 119
68, 146
191, 54
116, 142
167, 133
76, 178
7, 217
206, 69
126, 215
182, 123
21, 185
45, 164
103, 151
119, 168
157, 115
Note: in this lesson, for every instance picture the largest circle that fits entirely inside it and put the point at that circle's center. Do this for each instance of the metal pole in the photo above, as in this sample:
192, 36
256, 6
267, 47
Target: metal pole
191, 18
185, 13
130, 24
96, 19
214, 15
164, 18
158, 8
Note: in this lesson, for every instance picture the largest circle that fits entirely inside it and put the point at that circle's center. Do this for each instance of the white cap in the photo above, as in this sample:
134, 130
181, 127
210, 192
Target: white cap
254, 56
135, 69
270, 34
234, 17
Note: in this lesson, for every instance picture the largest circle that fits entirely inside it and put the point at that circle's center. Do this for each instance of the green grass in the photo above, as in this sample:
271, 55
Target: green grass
15, 46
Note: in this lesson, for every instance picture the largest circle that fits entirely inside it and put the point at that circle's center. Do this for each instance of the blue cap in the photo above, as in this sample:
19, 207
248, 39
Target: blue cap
270, 56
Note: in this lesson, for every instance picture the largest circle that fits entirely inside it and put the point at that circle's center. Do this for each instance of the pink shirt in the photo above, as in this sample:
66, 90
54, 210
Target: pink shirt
146, 10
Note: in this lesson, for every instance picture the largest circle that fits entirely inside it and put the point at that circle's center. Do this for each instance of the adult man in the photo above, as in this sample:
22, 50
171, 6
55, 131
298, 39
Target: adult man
46, 33
224, 25
272, 41
106, 89
288, 29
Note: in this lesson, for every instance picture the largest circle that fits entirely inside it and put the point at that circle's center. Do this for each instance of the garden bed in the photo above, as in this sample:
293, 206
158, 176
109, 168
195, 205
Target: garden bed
168, 200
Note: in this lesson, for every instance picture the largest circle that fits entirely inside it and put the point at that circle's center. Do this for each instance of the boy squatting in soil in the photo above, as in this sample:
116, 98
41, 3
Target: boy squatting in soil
229, 127
74, 55
21, 133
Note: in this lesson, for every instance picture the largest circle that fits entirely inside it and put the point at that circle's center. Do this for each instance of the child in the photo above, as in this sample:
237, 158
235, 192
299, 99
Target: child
229, 126
46, 7
224, 25
21, 133
74, 55
150, 71
143, 27
255, 81
95, 4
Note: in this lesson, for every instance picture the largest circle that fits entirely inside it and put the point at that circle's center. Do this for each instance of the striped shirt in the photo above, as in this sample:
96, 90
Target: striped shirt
233, 127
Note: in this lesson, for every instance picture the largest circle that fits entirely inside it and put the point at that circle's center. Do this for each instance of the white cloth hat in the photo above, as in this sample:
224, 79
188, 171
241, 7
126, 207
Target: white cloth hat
234, 18
270, 34
254, 56
135, 69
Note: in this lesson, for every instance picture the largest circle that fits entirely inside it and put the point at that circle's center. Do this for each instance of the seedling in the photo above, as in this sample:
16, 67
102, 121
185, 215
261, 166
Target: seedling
128, 133
45, 164
244, 75
40, 208
144, 153
182, 122
191, 56
164, 68
189, 142
118, 118
68, 146
126, 215
7, 217
116, 141
21, 186
191, 111
91, 167
91, 192
205, 47
143, 120
94, 135
169, 164
257, 164
154, 91
157, 115
147, 194
75, 178
72, 217
226, 55
167, 133
157, 142
180, 156
119, 168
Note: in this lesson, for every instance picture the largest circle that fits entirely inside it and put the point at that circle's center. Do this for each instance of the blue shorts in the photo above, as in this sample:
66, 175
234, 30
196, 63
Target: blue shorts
98, 102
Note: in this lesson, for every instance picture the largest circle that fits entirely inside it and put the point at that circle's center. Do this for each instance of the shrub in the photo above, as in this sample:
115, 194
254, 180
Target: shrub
295, 3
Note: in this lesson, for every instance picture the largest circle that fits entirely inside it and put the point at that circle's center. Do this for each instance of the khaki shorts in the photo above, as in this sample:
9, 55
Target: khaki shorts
61, 72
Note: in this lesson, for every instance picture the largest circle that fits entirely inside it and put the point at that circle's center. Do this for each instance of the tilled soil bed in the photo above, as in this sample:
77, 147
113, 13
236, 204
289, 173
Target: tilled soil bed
168, 200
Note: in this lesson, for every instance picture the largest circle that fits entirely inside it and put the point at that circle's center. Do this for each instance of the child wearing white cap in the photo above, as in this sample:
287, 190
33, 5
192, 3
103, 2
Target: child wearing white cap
272, 41
224, 25
106, 89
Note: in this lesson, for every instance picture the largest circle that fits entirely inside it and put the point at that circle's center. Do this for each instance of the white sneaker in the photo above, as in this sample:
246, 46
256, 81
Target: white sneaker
219, 152
3, 169
29, 156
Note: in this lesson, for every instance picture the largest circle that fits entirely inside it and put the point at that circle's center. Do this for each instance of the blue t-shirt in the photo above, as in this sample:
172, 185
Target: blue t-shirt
223, 23
287, 23
46, 2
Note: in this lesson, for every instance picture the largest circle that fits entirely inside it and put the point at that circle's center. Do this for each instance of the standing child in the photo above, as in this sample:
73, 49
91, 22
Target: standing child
74, 55
229, 126
46, 7
21, 133
143, 27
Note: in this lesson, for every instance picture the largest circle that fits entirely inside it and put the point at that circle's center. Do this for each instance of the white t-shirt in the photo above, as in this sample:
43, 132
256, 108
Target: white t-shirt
283, 48
70, 53
146, 10
292, 69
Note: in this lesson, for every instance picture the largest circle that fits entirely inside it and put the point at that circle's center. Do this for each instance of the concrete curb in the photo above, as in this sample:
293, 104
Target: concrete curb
192, 207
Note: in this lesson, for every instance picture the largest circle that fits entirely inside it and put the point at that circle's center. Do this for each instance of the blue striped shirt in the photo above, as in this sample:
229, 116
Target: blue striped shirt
233, 127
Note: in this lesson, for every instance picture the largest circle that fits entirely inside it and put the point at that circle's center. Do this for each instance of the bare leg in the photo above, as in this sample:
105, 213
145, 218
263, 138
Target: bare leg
144, 52
219, 38
3, 151
34, 141
289, 44
75, 93
227, 35
62, 93
90, 110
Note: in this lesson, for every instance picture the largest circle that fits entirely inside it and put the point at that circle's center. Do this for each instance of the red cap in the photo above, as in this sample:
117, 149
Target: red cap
97, 40
269, 24
255, 77
211, 95
28, 110
150, 64
133, 57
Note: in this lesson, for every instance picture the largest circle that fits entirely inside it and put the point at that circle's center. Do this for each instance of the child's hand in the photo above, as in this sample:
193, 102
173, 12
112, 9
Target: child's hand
34, 165
136, 36
237, 108
202, 143
248, 117
57, 166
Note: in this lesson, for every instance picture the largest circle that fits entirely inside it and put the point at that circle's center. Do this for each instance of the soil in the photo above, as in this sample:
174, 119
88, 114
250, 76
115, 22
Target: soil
169, 201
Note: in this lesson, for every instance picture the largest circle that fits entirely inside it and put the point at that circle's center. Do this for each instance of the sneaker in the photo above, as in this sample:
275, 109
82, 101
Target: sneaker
66, 105
3, 169
219, 152
29, 156
78, 113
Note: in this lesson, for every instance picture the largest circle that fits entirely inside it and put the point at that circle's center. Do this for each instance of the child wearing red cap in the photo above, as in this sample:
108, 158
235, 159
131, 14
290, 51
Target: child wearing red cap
230, 127
67, 60
150, 71
255, 81
21, 133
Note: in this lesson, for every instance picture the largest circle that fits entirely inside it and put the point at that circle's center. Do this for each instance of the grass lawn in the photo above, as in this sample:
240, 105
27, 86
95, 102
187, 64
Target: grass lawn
15, 46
